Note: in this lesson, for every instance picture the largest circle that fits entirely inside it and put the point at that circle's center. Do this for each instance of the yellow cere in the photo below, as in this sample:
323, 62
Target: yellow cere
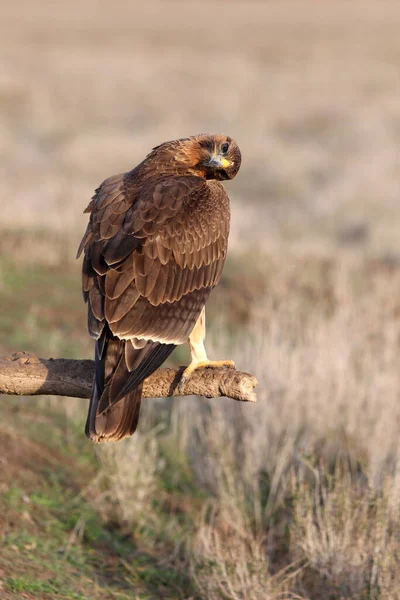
224, 162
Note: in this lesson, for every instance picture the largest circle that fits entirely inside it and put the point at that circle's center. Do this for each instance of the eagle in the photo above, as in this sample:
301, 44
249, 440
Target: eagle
154, 248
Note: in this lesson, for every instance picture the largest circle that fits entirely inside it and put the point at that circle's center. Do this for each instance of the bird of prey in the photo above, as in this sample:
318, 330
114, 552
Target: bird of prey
154, 248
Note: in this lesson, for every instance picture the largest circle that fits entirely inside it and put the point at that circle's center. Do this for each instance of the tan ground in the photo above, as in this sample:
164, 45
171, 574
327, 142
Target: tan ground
310, 90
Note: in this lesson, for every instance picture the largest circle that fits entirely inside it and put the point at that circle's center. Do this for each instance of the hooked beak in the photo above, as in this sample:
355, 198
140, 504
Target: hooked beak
218, 162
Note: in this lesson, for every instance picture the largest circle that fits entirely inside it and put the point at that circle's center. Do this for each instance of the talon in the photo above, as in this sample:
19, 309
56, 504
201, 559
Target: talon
212, 364
229, 364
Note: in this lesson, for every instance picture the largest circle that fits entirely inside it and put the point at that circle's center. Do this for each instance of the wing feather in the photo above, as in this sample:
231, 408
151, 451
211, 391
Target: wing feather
153, 252
117, 280
96, 300
117, 308
119, 247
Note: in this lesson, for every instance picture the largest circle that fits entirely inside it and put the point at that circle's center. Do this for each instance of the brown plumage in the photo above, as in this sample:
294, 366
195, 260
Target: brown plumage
154, 248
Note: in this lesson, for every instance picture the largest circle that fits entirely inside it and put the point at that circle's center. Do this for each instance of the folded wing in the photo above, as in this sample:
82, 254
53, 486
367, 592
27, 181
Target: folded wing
152, 254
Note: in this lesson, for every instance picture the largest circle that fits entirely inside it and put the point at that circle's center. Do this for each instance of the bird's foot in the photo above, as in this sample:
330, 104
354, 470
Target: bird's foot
213, 364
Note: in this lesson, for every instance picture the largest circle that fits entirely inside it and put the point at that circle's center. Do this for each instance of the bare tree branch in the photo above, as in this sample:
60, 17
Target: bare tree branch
24, 374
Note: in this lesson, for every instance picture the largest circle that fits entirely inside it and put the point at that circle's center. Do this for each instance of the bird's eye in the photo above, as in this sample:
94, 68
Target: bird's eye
225, 148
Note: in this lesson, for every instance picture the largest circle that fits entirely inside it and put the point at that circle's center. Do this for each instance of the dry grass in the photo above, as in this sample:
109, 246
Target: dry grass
236, 568
301, 491
348, 536
129, 480
298, 495
322, 442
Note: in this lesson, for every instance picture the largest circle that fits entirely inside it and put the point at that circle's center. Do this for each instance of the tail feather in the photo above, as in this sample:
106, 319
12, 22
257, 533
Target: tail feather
156, 354
117, 388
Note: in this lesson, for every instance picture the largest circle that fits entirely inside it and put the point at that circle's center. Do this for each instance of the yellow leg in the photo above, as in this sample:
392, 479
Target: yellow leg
198, 352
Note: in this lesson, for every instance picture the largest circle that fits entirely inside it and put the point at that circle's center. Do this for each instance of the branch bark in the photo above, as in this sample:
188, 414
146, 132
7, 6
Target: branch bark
24, 374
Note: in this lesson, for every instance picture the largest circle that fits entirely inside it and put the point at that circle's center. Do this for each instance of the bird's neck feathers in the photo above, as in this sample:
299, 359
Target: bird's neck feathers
180, 157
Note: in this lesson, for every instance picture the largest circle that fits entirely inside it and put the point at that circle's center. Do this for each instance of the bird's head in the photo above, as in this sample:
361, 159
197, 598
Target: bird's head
211, 156
217, 156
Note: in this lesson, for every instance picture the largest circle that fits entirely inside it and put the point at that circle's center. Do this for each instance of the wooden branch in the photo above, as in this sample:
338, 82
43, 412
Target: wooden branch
24, 374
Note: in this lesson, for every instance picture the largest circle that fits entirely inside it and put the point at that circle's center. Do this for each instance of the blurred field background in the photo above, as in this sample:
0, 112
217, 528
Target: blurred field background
299, 495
